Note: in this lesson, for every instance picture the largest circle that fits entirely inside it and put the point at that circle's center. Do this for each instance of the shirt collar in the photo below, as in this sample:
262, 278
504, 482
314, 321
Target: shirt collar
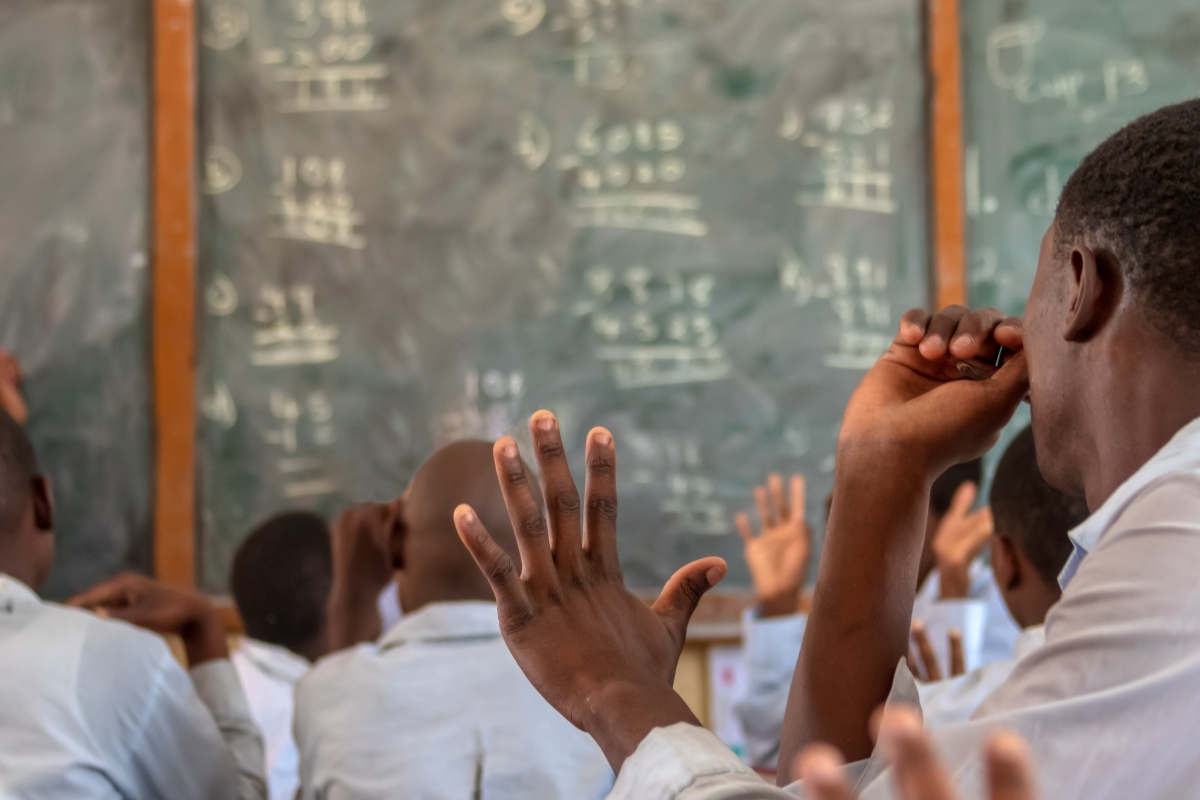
14, 594
1029, 640
1181, 452
442, 622
278, 662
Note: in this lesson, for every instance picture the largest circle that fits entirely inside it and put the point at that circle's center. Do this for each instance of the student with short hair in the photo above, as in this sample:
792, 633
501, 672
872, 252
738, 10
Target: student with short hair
280, 579
1029, 549
1107, 357
437, 707
94, 707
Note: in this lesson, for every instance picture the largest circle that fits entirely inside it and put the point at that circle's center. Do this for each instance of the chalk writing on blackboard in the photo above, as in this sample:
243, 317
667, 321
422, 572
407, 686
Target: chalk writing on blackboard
289, 331
314, 204
327, 63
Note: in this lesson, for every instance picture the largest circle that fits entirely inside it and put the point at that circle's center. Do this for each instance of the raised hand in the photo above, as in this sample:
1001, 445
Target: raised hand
935, 395
934, 399
778, 557
162, 609
923, 662
958, 541
596, 652
363, 544
12, 399
917, 773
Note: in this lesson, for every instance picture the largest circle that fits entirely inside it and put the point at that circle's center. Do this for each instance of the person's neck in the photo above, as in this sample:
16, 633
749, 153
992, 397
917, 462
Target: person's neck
1147, 403
15, 567
414, 598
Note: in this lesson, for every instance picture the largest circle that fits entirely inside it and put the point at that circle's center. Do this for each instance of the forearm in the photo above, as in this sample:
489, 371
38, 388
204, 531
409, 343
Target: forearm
204, 637
353, 613
859, 624
620, 716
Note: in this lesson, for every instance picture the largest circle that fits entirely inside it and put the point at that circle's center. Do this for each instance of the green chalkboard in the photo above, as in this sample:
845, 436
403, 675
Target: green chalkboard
693, 221
73, 280
1045, 82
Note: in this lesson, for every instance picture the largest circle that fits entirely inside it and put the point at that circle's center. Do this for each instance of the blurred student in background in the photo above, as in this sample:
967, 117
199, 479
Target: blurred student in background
437, 707
280, 580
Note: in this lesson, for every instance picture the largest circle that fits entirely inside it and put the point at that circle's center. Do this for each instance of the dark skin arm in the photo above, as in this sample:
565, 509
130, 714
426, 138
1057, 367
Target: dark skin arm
162, 609
597, 653
362, 568
913, 415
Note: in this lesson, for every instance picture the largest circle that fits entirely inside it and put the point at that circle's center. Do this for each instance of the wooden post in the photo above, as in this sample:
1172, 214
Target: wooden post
949, 217
174, 291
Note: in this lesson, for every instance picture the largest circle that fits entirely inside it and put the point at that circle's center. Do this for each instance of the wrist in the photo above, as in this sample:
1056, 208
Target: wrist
779, 605
619, 715
953, 579
203, 635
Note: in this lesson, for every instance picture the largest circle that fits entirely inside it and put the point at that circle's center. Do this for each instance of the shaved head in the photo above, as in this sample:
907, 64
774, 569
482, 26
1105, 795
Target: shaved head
437, 568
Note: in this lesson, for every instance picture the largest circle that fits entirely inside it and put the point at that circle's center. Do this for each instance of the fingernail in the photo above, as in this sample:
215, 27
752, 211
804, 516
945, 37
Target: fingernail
602, 438
466, 516
963, 340
714, 575
510, 449
546, 422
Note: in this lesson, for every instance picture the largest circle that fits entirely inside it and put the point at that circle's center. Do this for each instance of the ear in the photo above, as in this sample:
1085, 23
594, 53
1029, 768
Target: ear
1006, 566
398, 532
43, 503
1095, 290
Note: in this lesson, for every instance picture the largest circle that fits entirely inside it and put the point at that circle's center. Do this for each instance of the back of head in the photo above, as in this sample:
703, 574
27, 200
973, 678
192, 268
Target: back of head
948, 482
1034, 516
1136, 196
281, 578
437, 567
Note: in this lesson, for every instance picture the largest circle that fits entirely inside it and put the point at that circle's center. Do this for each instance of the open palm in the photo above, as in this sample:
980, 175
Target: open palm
778, 557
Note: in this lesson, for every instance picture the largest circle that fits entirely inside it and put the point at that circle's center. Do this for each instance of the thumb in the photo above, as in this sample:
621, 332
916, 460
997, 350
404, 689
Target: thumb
683, 591
1009, 385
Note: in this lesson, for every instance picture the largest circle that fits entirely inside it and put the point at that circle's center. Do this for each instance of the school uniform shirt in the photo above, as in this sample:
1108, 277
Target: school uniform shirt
99, 709
772, 645
954, 700
388, 605
269, 674
1109, 704
438, 708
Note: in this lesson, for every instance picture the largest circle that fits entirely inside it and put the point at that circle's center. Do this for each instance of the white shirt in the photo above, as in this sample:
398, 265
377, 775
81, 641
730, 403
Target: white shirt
438, 709
1110, 703
954, 700
99, 709
268, 674
773, 645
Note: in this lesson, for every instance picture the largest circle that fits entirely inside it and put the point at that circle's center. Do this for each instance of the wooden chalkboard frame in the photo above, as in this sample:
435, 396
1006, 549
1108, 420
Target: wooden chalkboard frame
174, 231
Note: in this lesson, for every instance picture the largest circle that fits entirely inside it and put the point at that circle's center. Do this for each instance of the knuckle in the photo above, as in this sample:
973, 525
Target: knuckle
550, 449
501, 569
566, 502
603, 508
602, 466
531, 523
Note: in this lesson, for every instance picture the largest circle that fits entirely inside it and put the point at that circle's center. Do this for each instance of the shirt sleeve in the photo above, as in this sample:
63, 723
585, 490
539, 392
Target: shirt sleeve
772, 647
689, 763
218, 687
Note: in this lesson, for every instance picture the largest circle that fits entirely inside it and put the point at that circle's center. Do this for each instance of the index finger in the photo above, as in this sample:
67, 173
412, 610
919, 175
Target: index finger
820, 767
933, 670
529, 525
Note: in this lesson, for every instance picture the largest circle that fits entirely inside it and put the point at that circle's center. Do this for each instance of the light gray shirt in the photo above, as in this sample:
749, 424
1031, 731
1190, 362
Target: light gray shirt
772, 645
268, 674
438, 709
99, 709
1110, 703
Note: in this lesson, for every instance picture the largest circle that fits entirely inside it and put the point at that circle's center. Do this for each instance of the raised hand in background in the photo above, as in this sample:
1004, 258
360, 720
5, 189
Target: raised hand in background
960, 538
916, 771
778, 557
